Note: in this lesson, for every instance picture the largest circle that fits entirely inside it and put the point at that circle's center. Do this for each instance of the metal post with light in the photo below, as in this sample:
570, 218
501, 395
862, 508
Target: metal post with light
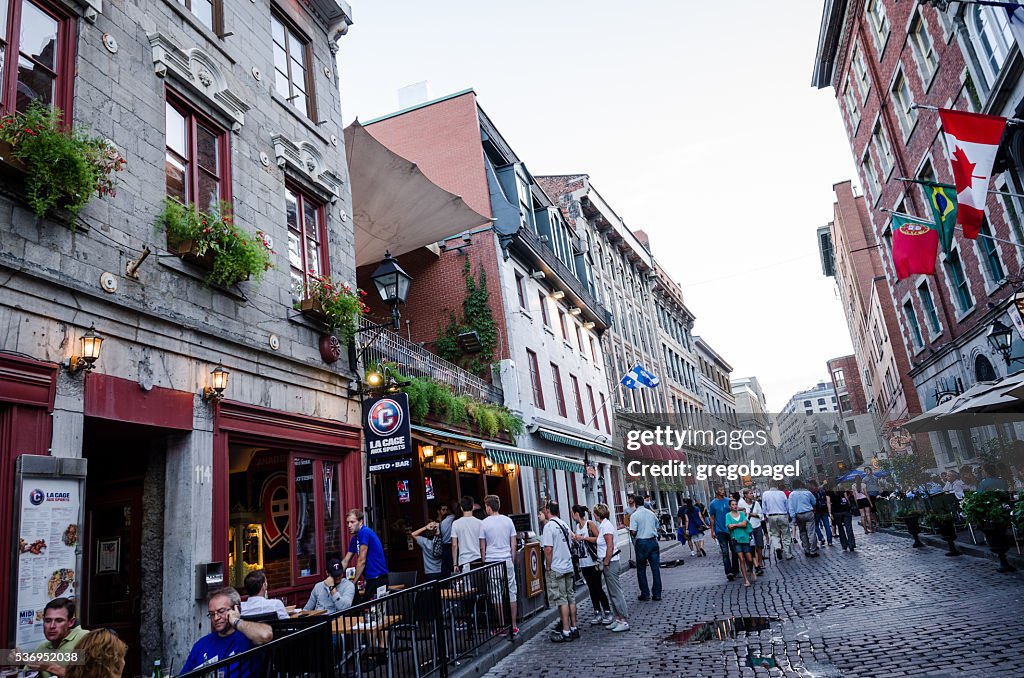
218, 384
1000, 338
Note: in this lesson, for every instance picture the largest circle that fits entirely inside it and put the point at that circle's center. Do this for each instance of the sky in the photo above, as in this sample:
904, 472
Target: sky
696, 121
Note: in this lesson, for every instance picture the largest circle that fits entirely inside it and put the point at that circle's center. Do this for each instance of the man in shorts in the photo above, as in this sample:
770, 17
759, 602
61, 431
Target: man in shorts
559, 572
498, 544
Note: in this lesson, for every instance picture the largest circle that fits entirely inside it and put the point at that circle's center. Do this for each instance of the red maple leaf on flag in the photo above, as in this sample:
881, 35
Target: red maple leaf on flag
963, 169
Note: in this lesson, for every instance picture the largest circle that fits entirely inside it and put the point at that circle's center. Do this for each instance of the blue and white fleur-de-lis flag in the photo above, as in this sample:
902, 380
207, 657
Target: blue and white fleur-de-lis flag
639, 376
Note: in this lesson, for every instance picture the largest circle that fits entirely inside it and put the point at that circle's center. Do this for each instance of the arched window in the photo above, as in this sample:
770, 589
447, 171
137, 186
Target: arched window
983, 370
990, 28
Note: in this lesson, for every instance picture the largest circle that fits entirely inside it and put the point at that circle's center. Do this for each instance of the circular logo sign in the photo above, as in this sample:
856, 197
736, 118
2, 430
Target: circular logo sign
385, 417
36, 497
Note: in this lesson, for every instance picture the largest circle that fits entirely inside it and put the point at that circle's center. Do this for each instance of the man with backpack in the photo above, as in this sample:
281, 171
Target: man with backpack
559, 572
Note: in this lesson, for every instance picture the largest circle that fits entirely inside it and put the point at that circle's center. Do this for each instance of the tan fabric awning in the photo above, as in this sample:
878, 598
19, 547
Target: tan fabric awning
395, 206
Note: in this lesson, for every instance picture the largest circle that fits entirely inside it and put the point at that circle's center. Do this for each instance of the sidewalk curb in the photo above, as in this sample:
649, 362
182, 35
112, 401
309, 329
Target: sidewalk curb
968, 549
478, 666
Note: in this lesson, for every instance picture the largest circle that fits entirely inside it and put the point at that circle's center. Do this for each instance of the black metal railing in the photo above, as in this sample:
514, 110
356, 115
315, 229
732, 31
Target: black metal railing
416, 631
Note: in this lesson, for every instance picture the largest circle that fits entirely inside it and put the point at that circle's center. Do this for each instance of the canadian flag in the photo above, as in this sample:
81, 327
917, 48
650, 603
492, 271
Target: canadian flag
972, 141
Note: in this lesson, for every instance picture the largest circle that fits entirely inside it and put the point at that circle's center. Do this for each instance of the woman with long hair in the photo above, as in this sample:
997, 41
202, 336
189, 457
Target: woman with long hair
694, 526
102, 654
864, 506
586, 531
610, 566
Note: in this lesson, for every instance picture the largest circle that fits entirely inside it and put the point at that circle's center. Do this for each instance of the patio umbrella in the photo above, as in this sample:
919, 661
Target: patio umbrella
850, 475
883, 473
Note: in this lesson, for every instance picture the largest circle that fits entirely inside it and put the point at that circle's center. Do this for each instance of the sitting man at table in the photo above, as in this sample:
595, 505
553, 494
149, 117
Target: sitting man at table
229, 635
333, 594
371, 567
258, 603
62, 635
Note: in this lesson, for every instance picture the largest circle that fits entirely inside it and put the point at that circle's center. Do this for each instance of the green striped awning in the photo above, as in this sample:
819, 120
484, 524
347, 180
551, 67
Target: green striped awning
577, 442
447, 437
506, 454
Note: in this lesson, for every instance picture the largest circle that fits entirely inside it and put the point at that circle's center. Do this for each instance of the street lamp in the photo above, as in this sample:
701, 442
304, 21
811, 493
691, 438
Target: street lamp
392, 285
1000, 337
218, 384
91, 343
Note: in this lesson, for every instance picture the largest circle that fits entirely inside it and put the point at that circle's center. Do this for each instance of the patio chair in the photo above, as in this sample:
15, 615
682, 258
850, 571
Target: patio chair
407, 635
406, 579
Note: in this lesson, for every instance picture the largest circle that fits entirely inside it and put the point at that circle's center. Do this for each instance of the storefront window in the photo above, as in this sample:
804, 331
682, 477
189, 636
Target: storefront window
285, 524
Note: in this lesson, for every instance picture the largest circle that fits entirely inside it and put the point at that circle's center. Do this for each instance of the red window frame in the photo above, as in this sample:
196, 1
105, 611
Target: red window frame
604, 411
578, 396
64, 75
556, 381
544, 308
292, 34
593, 352
195, 118
302, 200
538, 389
520, 290
579, 341
561, 322
593, 407
216, 15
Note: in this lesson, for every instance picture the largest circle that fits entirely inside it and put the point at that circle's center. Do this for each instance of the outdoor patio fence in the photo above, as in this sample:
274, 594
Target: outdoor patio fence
417, 631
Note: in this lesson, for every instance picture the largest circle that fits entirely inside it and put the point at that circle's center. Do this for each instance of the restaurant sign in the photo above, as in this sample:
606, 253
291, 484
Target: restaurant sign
388, 433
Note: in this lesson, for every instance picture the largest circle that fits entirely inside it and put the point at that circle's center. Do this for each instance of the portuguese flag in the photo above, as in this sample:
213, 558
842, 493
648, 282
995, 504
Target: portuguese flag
914, 246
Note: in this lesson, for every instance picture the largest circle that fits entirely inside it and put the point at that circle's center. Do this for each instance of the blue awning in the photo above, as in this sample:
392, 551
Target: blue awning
506, 454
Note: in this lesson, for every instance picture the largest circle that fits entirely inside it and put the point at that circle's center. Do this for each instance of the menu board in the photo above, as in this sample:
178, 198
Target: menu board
50, 530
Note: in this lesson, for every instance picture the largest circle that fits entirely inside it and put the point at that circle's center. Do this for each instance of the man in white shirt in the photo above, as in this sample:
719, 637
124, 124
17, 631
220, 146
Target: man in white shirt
752, 507
559, 572
644, 525
954, 485
466, 536
257, 602
498, 544
776, 511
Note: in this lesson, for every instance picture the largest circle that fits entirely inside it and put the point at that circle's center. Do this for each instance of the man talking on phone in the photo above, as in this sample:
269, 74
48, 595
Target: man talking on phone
229, 635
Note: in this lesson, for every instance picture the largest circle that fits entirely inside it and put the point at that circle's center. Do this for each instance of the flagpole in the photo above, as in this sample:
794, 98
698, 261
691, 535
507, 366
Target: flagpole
925, 107
934, 183
958, 228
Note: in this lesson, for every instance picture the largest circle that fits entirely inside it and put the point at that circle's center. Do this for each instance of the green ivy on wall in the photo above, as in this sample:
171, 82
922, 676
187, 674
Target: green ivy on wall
476, 317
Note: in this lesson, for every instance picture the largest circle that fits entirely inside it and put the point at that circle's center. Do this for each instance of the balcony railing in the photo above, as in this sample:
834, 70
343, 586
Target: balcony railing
415, 361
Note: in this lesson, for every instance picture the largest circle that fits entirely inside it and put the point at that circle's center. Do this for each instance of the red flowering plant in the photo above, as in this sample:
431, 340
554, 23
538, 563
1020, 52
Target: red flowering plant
236, 255
341, 304
64, 167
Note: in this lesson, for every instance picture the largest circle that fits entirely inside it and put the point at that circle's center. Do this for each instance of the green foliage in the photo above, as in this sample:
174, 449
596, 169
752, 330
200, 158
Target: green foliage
236, 255
342, 306
906, 469
937, 518
1018, 514
476, 317
64, 167
907, 510
430, 398
990, 506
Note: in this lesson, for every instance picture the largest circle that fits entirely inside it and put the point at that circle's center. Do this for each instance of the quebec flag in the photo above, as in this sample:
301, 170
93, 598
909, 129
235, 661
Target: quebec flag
639, 376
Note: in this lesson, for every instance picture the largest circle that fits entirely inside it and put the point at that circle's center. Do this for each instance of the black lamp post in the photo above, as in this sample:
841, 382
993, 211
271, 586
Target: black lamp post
1000, 337
392, 285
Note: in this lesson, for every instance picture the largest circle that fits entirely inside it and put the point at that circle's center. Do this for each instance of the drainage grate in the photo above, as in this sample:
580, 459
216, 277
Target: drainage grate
721, 630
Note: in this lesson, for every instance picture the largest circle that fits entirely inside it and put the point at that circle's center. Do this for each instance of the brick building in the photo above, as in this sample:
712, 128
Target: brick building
193, 101
860, 431
881, 57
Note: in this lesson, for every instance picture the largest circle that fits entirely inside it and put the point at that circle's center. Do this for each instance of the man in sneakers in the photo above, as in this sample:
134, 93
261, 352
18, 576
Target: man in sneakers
801, 509
776, 512
644, 526
558, 567
719, 509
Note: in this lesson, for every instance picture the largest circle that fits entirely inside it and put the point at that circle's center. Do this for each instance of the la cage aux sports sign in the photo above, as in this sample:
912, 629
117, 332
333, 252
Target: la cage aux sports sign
388, 433
37, 497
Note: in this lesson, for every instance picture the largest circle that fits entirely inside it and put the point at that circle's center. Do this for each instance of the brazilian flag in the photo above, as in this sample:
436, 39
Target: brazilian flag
942, 198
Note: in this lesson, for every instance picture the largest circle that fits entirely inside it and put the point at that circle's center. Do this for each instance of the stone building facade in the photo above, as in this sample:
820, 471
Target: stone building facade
194, 103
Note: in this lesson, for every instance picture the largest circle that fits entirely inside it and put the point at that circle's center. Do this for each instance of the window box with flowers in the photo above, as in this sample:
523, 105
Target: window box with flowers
214, 242
63, 167
336, 305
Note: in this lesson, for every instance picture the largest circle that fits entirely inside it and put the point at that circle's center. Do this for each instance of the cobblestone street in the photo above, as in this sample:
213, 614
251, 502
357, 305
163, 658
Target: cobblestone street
886, 610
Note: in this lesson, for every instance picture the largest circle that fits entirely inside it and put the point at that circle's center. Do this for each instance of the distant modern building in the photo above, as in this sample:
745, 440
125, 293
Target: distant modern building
808, 430
860, 431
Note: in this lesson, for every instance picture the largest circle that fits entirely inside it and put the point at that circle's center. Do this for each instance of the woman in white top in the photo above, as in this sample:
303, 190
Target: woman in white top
864, 506
586, 532
609, 564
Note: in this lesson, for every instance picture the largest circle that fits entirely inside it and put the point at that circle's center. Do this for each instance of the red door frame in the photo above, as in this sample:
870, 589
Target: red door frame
27, 389
294, 432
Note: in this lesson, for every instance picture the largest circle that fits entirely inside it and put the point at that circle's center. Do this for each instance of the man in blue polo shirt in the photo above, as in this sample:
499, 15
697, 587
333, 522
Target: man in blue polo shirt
370, 564
719, 509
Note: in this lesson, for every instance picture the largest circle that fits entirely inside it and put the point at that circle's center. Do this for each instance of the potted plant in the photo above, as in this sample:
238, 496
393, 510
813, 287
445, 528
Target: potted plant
944, 523
912, 518
991, 510
63, 167
337, 305
214, 242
